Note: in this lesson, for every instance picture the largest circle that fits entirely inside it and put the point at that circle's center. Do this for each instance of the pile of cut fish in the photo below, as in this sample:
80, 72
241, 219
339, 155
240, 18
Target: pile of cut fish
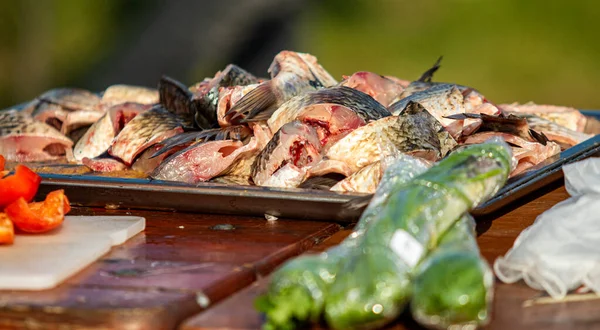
300, 128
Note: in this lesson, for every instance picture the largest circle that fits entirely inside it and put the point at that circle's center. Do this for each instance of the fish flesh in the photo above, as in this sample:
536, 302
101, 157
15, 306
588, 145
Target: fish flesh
367, 108
441, 101
186, 139
103, 163
143, 131
331, 121
292, 74
98, 138
24, 139
284, 160
204, 161
414, 132
228, 97
383, 89
526, 153
118, 94
567, 117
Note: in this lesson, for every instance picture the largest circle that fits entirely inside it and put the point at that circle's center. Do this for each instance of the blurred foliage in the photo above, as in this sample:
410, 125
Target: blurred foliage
545, 51
512, 50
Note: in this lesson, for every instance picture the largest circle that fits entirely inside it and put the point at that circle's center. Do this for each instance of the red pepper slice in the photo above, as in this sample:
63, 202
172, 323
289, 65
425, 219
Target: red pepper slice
2, 171
24, 183
39, 217
7, 231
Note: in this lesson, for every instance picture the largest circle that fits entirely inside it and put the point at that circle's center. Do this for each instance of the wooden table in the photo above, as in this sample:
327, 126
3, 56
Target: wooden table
197, 271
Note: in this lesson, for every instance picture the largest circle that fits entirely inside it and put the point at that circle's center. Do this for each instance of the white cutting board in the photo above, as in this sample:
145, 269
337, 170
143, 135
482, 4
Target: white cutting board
42, 261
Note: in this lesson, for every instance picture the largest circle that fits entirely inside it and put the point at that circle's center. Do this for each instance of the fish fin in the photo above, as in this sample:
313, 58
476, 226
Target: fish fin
539, 137
186, 139
238, 133
175, 97
461, 116
412, 108
428, 75
205, 113
322, 182
259, 104
467, 91
179, 140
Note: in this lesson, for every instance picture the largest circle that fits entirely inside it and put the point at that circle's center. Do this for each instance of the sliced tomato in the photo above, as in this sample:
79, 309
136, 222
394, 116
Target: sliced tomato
39, 217
7, 231
23, 184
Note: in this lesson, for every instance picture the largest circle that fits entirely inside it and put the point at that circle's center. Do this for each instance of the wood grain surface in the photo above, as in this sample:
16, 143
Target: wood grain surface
516, 306
181, 264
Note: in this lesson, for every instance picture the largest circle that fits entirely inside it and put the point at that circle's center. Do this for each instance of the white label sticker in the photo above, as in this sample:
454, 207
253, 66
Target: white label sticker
407, 247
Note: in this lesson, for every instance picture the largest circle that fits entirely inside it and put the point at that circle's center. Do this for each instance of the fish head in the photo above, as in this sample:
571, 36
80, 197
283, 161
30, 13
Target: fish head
296, 144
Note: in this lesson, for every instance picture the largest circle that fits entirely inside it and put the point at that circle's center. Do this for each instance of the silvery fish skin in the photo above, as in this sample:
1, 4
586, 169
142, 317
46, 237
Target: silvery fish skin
204, 161
292, 74
70, 99
567, 117
367, 108
414, 132
98, 138
284, 160
23, 139
364, 180
66, 109
118, 94
146, 129
369, 178
383, 89
441, 101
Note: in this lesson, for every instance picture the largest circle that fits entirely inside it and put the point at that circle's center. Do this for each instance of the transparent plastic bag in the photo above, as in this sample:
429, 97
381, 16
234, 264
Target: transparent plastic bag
373, 283
462, 299
298, 288
560, 252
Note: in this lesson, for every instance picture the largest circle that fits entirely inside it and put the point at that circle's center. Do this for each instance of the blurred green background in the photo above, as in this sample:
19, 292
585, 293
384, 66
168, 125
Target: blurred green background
542, 51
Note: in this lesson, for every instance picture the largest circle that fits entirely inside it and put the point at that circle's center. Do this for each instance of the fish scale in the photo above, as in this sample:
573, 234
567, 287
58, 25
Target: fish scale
362, 104
145, 129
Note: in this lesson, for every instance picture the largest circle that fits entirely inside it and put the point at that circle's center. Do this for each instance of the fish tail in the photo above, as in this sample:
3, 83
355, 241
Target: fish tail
259, 104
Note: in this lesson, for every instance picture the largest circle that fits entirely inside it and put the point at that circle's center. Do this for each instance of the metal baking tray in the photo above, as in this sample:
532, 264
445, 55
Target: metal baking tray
95, 191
